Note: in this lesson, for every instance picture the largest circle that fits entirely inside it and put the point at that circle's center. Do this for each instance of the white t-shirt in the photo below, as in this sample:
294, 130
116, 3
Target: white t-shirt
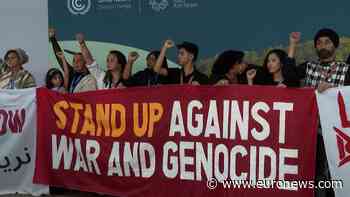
100, 74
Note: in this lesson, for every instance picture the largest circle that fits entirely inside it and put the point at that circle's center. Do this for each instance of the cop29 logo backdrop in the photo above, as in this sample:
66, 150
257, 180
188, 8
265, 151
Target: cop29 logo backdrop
79, 6
143, 25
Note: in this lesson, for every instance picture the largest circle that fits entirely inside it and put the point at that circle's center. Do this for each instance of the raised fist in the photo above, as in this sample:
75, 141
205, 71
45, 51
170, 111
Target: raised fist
51, 32
168, 44
80, 37
133, 56
294, 37
251, 74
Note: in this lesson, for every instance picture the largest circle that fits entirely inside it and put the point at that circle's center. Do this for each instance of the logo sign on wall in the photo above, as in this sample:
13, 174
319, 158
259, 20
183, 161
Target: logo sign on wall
159, 5
79, 7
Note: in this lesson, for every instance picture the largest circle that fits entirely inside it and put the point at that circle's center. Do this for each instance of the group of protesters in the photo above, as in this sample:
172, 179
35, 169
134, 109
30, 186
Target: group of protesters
279, 69
84, 74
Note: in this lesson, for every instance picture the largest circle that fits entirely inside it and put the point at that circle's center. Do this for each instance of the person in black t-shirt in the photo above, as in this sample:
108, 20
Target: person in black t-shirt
148, 77
187, 56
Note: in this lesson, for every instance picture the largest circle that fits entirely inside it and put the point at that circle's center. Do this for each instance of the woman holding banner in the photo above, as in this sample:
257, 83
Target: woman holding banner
279, 69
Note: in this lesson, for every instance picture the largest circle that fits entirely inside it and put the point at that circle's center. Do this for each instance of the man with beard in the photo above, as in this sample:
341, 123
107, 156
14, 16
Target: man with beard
323, 74
326, 72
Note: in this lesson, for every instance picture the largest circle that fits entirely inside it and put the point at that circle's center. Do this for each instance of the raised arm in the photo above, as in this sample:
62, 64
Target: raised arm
294, 39
84, 49
66, 73
167, 45
57, 49
250, 76
300, 70
132, 57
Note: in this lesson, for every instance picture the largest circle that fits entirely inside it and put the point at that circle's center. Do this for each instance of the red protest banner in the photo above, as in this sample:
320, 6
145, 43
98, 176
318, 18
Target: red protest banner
170, 140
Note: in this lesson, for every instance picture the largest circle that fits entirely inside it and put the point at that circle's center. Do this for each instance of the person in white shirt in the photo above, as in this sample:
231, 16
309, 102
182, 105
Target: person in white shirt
116, 62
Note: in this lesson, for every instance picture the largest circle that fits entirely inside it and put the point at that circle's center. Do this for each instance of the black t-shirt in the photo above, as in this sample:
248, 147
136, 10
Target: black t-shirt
177, 76
289, 74
263, 77
145, 77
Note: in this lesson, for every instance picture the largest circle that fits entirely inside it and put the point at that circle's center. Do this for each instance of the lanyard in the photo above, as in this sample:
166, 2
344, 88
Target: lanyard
182, 79
12, 84
110, 85
152, 80
75, 82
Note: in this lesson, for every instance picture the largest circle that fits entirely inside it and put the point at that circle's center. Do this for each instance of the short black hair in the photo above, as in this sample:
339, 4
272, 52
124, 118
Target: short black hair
189, 47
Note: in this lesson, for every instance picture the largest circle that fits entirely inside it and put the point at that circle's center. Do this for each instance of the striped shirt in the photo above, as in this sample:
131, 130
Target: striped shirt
20, 80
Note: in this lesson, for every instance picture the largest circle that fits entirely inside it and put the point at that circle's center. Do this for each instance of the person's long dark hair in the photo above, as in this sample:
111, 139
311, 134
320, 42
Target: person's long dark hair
224, 62
121, 60
282, 56
49, 75
289, 73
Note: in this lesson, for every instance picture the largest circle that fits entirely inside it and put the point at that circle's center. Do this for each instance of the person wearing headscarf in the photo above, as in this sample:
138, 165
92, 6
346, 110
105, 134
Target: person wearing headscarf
12, 73
322, 74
